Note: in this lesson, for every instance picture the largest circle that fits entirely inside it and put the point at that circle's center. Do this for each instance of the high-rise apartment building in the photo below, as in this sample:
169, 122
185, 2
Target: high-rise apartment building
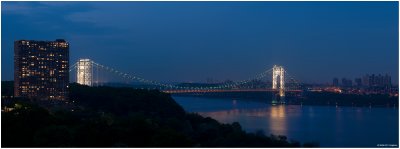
335, 82
377, 80
41, 69
347, 82
358, 82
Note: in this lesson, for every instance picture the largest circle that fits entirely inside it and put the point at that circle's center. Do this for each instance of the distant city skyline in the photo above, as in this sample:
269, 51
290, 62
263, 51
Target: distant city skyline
195, 41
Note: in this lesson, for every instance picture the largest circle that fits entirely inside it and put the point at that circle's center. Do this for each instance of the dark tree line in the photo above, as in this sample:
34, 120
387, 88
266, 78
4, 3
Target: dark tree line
122, 117
7, 88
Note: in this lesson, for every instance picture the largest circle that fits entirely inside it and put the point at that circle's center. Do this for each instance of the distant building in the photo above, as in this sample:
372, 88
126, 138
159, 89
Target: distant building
377, 80
358, 82
41, 69
365, 81
335, 82
387, 81
346, 83
349, 83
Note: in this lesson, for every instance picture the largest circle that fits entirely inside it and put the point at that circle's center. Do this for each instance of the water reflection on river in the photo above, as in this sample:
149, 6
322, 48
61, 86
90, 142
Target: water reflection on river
330, 126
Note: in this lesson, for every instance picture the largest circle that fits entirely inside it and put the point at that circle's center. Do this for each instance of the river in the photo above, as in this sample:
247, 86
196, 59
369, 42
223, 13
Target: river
330, 126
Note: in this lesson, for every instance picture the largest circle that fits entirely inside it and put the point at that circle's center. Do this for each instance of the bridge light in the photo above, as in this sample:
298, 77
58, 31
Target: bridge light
84, 72
278, 71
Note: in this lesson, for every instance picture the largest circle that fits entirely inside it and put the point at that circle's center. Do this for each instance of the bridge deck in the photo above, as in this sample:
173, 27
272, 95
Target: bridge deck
232, 90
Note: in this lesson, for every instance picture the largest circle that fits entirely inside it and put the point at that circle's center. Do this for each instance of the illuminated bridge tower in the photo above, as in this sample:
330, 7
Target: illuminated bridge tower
84, 71
278, 76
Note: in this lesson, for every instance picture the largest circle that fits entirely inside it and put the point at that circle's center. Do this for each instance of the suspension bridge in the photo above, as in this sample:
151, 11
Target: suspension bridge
91, 73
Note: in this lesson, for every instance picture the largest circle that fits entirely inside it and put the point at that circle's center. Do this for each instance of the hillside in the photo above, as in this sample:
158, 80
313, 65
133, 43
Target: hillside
122, 117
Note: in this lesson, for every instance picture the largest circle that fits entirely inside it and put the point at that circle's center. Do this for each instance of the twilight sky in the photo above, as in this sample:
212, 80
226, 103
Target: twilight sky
192, 41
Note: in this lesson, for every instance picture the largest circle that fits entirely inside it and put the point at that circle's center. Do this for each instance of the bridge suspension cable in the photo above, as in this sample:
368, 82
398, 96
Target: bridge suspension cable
131, 77
227, 85
292, 78
221, 86
73, 67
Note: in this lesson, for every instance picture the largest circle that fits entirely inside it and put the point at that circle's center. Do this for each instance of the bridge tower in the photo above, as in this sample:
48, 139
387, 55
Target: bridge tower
279, 71
84, 71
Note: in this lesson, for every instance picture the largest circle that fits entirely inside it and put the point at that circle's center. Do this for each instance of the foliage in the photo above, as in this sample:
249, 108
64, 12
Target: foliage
123, 117
7, 88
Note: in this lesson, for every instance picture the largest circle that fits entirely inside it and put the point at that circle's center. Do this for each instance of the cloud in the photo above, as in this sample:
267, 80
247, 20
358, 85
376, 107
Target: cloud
103, 15
21, 8
39, 9
58, 4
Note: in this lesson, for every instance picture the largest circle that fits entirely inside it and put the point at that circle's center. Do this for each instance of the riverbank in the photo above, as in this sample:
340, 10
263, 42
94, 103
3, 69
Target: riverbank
309, 98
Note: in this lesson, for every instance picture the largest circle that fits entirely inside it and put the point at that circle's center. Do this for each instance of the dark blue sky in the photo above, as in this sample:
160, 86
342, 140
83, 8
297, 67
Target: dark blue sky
192, 41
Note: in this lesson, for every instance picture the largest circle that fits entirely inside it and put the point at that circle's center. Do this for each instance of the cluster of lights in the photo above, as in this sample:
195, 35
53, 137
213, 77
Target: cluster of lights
84, 72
